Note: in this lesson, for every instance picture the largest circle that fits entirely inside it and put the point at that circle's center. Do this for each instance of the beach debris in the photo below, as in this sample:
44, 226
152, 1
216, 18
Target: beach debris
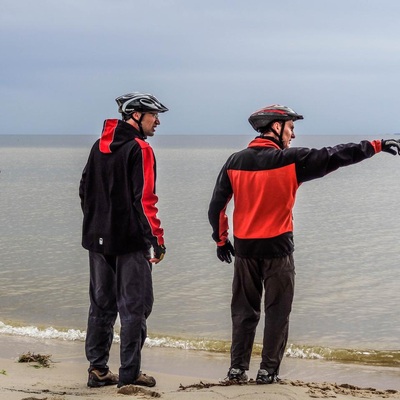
3, 372
204, 385
200, 385
315, 390
35, 398
331, 390
133, 389
43, 398
41, 360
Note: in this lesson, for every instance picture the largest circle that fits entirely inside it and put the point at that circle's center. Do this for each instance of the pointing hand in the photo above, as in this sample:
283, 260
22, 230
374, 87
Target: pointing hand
391, 146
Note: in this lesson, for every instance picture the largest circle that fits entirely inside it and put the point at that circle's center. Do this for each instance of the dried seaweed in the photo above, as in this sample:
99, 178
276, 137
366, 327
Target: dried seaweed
43, 360
202, 385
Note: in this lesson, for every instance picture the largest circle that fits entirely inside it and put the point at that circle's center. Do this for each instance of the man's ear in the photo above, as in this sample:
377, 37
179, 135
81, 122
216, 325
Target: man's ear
136, 115
276, 125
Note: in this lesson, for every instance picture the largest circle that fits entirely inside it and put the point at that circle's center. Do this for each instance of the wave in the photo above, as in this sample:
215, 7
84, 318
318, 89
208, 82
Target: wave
387, 358
47, 333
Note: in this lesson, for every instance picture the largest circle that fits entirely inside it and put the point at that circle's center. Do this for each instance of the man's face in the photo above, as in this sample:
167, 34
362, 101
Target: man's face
150, 122
288, 134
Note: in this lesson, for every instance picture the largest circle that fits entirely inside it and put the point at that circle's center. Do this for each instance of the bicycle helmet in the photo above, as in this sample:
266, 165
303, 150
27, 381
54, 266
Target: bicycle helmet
139, 102
260, 119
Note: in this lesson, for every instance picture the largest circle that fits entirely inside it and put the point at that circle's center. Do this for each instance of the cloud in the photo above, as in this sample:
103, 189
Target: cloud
211, 62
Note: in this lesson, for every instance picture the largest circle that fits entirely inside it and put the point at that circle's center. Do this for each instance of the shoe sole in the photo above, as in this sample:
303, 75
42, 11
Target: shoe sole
144, 384
96, 384
136, 384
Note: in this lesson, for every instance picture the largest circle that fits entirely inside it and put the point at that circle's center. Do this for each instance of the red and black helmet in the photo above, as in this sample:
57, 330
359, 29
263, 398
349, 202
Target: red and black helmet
260, 119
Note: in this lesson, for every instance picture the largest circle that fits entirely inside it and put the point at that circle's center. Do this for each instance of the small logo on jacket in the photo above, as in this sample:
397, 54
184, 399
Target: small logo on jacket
101, 241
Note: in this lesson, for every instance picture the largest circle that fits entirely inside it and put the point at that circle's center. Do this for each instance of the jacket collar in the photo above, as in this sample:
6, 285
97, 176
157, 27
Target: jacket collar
260, 141
116, 133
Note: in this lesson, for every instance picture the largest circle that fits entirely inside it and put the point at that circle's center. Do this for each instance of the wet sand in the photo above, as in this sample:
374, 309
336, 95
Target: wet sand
181, 374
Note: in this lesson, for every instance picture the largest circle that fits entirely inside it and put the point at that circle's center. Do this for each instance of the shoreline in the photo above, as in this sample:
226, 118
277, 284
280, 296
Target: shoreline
67, 375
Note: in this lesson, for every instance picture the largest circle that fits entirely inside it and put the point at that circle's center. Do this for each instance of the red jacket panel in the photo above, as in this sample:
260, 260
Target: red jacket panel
263, 180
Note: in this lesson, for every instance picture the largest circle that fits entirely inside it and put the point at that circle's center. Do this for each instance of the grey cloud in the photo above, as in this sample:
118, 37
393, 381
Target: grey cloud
212, 62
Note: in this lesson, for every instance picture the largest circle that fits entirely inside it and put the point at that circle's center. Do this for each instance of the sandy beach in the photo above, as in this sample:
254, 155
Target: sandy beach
180, 374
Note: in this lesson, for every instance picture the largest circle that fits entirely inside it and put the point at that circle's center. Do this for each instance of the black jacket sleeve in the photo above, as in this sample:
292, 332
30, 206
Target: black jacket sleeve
219, 201
313, 163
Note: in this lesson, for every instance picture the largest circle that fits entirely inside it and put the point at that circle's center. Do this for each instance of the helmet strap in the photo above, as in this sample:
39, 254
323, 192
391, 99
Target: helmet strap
139, 123
280, 134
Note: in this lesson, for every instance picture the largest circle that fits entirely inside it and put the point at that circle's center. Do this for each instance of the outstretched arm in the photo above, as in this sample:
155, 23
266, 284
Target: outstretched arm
316, 163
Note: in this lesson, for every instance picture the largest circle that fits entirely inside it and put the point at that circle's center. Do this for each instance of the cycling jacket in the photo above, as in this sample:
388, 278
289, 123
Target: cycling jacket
118, 193
263, 180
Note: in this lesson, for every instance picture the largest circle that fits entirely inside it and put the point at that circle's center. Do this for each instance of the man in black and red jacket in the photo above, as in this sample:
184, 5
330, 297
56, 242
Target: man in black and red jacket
120, 226
263, 180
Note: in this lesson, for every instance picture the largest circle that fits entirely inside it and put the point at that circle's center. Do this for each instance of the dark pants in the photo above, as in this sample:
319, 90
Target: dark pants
276, 276
118, 284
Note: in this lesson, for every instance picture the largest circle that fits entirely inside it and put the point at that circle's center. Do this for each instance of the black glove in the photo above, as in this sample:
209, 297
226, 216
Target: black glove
159, 251
224, 252
391, 146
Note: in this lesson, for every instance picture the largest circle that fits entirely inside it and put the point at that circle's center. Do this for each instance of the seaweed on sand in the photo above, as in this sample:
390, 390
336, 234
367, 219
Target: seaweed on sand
42, 360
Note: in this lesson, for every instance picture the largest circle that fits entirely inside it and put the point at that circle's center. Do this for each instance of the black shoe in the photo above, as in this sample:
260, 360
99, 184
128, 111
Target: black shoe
265, 378
141, 380
237, 375
99, 379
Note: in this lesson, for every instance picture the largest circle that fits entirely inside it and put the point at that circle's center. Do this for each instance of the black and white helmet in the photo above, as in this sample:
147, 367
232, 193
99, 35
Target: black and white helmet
260, 119
139, 102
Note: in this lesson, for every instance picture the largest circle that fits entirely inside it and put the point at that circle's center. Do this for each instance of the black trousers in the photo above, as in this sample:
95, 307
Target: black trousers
251, 276
118, 284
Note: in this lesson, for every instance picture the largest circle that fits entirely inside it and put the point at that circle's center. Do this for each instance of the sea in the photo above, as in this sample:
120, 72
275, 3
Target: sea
347, 229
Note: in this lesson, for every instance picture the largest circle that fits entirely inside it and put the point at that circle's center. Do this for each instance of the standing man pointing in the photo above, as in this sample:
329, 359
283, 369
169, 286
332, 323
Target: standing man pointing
263, 180
120, 226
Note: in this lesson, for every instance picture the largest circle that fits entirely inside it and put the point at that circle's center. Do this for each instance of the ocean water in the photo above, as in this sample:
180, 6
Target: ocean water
346, 236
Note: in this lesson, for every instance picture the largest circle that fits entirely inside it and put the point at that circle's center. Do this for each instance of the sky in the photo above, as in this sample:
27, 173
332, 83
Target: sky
211, 62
